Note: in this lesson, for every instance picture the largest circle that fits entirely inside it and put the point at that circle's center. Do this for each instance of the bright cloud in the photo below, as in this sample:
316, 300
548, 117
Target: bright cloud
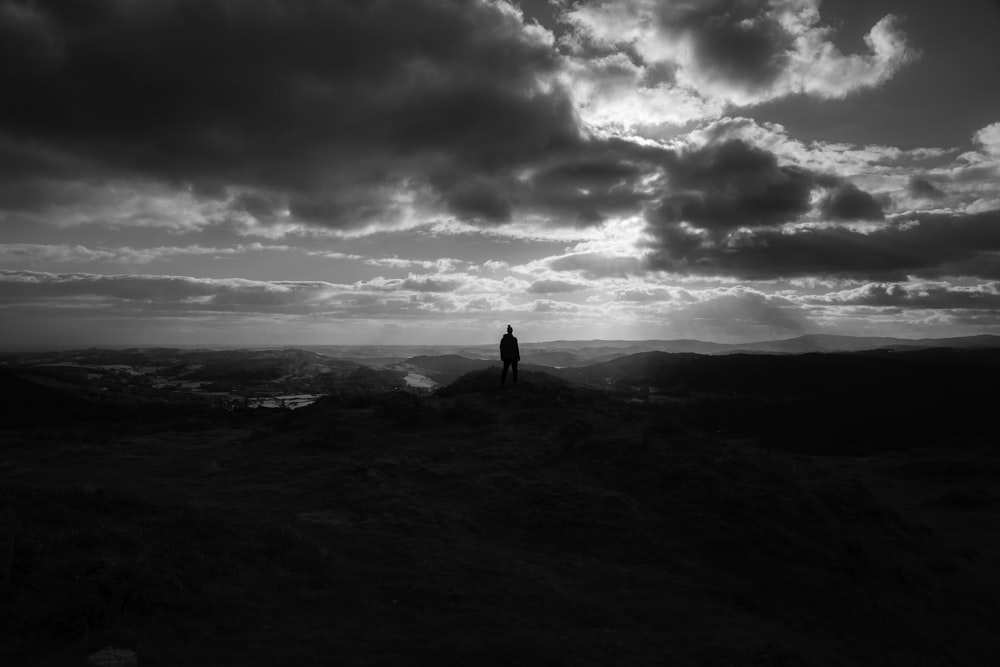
680, 61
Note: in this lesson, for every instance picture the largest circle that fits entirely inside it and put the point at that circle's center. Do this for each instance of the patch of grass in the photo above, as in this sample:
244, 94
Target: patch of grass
469, 411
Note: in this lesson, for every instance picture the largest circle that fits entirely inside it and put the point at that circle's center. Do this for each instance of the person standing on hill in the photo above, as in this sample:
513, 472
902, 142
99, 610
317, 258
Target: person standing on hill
509, 354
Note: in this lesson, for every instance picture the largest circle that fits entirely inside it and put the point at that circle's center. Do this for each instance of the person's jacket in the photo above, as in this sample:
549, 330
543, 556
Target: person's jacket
508, 348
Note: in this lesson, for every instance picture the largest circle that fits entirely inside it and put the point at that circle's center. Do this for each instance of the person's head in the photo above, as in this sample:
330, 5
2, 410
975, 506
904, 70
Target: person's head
510, 329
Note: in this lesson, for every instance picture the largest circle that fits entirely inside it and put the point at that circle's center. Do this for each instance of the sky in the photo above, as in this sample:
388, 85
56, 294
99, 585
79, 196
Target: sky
308, 172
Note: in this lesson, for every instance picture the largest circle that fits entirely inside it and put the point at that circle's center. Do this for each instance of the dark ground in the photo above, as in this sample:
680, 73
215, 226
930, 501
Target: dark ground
548, 524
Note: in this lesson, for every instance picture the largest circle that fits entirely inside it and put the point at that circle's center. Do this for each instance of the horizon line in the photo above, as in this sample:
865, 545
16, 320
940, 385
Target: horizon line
223, 346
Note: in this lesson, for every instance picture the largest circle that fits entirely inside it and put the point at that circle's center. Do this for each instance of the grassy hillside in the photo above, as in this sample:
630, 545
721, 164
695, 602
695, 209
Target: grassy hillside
542, 524
819, 403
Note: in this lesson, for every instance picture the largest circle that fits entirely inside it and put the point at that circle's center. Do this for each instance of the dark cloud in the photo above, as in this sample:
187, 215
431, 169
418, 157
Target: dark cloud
151, 290
479, 201
321, 209
263, 206
734, 41
149, 294
848, 202
936, 297
601, 180
727, 201
982, 265
25, 195
589, 173
589, 217
659, 74
920, 186
298, 98
927, 245
733, 184
580, 184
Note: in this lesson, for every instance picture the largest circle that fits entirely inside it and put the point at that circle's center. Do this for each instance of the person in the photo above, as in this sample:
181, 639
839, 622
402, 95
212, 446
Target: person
509, 354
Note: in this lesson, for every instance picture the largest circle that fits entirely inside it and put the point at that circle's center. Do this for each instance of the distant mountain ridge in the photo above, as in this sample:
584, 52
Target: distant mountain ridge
579, 354
572, 353
550, 353
845, 372
797, 345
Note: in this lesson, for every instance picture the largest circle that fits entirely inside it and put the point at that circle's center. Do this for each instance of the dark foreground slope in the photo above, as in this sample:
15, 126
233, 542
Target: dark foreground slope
542, 524
815, 403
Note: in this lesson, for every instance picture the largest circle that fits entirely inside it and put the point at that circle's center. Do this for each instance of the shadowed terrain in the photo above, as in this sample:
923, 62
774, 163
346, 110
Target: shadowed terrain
632, 513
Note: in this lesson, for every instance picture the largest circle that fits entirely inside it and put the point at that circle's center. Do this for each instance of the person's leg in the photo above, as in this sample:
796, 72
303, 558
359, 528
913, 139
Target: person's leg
513, 368
503, 374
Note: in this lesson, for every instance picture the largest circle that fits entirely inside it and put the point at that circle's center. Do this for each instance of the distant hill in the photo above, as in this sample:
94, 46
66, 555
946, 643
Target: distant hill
558, 358
984, 341
557, 353
834, 343
447, 368
572, 353
27, 403
854, 372
838, 402
817, 343
798, 345
30, 404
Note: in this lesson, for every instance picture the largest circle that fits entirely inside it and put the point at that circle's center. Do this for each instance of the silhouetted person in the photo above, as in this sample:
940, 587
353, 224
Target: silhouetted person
509, 354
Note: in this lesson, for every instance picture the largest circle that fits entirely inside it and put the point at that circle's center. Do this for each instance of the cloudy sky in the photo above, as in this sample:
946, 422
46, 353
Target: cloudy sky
425, 171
